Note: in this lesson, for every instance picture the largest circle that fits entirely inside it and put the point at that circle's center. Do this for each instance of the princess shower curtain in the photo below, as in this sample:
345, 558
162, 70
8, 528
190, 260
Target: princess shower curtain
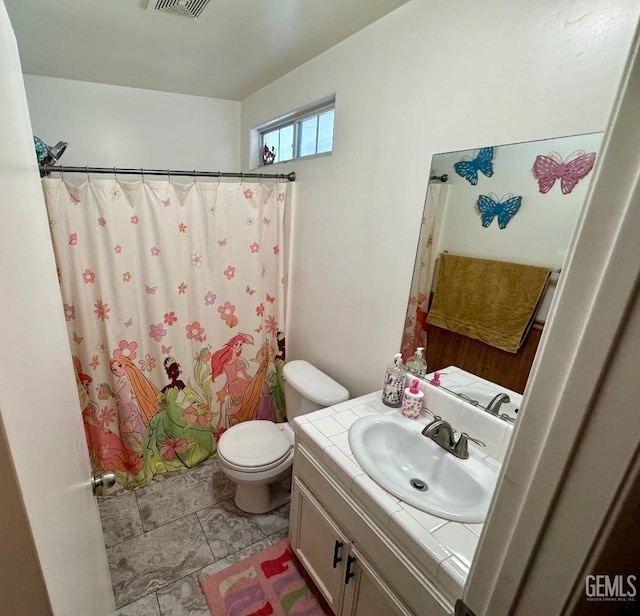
174, 301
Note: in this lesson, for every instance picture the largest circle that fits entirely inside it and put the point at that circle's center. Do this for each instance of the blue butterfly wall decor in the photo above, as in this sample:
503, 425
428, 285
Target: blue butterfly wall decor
468, 169
489, 207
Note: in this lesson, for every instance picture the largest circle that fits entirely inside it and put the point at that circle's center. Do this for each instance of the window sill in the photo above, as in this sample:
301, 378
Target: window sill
262, 168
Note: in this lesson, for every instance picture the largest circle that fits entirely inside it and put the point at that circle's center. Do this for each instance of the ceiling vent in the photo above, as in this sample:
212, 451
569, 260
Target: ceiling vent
184, 8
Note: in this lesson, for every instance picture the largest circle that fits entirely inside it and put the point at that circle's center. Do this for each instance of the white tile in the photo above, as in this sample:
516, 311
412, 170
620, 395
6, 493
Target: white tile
321, 413
420, 543
452, 576
458, 539
297, 422
364, 409
353, 459
372, 396
426, 520
341, 441
506, 441
340, 466
449, 377
443, 404
492, 463
379, 405
328, 426
374, 498
348, 404
476, 529
483, 426
427, 416
346, 418
314, 439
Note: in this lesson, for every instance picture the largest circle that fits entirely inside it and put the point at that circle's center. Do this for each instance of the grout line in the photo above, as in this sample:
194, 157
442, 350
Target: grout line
138, 599
186, 575
139, 512
204, 534
146, 532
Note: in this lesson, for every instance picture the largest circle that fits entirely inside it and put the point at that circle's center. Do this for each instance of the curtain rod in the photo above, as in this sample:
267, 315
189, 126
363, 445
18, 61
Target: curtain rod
168, 172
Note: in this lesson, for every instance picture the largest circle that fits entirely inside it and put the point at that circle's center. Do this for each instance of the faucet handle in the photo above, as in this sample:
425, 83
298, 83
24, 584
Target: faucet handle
461, 449
474, 440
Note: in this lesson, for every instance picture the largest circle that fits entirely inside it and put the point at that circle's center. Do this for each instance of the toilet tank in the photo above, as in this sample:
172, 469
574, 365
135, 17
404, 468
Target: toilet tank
307, 389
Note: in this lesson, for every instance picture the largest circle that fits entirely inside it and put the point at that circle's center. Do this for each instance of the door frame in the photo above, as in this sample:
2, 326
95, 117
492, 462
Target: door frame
51, 527
577, 427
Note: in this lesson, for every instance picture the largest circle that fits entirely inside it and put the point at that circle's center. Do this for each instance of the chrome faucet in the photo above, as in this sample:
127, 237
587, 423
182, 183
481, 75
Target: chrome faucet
496, 402
441, 433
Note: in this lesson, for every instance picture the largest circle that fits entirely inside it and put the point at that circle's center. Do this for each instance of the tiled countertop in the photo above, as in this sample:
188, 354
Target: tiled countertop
442, 548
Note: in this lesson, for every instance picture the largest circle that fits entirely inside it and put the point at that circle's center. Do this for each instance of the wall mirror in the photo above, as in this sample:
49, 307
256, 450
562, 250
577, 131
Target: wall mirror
508, 204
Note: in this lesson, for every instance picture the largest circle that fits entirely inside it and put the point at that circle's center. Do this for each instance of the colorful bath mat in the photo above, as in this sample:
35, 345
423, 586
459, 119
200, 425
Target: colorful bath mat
271, 582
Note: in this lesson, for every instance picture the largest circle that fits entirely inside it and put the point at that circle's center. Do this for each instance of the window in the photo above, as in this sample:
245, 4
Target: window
305, 134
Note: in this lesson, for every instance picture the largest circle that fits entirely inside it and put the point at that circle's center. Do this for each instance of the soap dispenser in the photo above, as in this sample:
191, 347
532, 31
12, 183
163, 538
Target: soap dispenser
394, 380
417, 364
412, 400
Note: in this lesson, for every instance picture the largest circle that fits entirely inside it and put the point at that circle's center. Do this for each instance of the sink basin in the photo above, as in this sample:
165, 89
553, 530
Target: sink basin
395, 454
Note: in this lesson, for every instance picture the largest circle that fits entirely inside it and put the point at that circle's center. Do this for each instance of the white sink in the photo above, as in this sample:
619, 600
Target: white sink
395, 454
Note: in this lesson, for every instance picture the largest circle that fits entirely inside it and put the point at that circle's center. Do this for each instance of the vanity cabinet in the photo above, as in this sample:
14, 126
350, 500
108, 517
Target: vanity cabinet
368, 594
350, 584
353, 561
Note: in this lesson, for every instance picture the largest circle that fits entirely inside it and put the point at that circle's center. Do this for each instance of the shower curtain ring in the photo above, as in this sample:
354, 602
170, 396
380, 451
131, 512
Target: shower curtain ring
142, 174
241, 178
87, 170
169, 174
219, 176
62, 172
261, 176
115, 175
195, 178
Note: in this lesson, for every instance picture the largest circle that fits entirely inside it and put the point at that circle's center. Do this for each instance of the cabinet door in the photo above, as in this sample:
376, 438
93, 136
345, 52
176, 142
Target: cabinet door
366, 593
319, 544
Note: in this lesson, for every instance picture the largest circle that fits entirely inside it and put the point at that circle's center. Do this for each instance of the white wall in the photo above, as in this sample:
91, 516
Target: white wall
108, 126
433, 76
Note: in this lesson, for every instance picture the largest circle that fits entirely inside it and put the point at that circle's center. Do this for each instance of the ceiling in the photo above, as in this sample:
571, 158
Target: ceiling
234, 49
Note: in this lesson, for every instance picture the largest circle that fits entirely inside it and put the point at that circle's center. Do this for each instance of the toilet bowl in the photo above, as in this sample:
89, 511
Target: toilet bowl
257, 455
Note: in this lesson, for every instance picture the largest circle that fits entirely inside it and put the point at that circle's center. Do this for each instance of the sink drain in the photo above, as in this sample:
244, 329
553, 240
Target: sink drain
419, 485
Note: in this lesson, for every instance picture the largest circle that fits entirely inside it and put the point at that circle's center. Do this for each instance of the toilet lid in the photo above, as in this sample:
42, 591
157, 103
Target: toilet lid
252, 444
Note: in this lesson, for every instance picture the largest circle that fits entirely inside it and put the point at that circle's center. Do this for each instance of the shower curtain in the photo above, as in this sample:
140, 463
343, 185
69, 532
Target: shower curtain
174, 302
415, 326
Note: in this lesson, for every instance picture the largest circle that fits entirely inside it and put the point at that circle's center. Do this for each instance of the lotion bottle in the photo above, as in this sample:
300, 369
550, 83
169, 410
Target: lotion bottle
394, 380
412, 400
417, 364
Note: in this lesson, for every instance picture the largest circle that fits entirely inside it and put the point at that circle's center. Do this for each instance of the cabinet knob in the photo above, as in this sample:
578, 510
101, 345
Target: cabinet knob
349, 574
336, 558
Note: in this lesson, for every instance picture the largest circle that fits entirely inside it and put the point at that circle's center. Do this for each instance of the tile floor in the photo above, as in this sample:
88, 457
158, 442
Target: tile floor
164, 538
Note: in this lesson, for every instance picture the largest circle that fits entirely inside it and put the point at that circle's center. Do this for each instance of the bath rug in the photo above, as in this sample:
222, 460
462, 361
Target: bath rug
270, 582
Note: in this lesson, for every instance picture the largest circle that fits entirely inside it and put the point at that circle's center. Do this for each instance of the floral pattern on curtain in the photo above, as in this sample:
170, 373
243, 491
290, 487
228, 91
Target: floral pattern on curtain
415, 326
174, 302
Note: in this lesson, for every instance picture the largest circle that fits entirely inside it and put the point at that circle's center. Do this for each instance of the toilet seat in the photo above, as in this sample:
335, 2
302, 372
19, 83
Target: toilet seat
254, 446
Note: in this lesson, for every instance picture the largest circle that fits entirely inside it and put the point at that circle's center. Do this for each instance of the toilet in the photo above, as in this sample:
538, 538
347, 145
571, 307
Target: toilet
257, 455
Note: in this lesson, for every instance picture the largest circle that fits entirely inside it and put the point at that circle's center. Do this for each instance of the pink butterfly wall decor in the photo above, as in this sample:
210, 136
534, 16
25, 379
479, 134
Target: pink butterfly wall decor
548, 169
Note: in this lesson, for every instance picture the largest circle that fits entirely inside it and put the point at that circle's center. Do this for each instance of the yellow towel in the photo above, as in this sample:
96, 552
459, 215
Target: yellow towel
491, 301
